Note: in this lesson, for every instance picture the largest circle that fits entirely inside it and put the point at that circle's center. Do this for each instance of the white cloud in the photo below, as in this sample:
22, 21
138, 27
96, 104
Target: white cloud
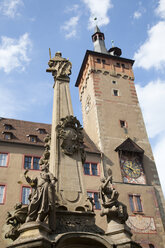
137, 14
152, 101
73, 8
98, 9
139, 11
70, 27
10, 8
151, 53
14, 53
160, 11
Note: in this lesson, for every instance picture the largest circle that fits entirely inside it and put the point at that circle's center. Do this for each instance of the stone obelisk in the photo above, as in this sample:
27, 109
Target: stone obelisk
66, 154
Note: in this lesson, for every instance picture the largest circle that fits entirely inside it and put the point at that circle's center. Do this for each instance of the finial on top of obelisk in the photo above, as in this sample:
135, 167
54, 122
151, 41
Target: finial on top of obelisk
60, 67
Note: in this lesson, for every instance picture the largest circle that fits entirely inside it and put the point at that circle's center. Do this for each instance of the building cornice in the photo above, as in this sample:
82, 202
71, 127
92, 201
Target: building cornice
88, 52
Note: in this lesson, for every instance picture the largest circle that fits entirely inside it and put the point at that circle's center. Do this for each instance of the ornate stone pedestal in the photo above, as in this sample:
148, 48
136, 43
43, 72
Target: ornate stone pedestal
76, 221
33, 234
119, 233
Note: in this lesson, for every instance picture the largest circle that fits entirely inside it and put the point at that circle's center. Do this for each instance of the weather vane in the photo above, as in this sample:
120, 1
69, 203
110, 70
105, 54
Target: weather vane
112, 42
95, 20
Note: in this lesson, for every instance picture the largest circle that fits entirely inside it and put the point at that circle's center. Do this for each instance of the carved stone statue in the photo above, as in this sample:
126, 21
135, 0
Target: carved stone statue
15, 220
60, 67
42, 198
70, 132
46, 155
109, 201
89, 206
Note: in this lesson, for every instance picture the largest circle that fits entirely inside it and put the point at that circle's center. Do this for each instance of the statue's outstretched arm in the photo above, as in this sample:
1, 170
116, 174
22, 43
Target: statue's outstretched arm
109, 179
31, 182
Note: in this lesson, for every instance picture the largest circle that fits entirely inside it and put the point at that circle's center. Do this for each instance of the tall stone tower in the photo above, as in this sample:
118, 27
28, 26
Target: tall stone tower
113, 120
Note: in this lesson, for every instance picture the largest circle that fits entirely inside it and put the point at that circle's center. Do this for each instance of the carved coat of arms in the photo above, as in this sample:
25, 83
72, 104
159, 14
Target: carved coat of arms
70, 132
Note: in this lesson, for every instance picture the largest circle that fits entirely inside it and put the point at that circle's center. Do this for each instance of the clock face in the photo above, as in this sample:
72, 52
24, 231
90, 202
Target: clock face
132, 170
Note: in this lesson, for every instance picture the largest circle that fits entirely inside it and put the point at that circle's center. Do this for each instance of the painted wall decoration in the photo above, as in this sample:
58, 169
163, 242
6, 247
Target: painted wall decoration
141, 224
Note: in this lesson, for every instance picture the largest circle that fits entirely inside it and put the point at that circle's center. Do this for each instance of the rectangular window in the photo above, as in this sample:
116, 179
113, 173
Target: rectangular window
2, 194
95, 196
36, 163
25, 194
115, 92
103, 61
87, 169
3, 159
42, 130
91, 169
123, 124
94, 169
31, 163
99, 61
8, 126
135, 203
117, 64
33, 138
7, 136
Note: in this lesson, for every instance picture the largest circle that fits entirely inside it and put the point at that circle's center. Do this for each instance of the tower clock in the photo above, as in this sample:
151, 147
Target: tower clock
131, 162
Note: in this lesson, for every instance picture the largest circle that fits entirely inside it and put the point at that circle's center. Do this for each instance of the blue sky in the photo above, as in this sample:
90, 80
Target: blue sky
29, 27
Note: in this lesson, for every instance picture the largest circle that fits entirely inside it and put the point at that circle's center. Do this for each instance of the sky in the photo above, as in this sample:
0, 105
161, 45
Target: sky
28, 28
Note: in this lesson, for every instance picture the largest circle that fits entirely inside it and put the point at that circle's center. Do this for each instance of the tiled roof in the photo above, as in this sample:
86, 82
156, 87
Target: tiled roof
21, 130
129, 145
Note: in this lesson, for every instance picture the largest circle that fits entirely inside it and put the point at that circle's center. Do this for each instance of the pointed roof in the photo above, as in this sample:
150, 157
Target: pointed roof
130, 146
97, 30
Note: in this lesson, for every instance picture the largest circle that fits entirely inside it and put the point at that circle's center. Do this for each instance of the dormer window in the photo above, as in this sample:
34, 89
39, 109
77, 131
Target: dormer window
8, 126
7, 135
41, 130
32, 138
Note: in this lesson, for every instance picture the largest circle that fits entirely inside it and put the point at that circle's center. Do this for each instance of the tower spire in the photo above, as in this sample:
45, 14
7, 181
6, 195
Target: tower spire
98, 41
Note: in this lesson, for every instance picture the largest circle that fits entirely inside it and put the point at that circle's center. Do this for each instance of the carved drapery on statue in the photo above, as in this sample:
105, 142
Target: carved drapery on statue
111, 207
70, 132
60, 67
41, 200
